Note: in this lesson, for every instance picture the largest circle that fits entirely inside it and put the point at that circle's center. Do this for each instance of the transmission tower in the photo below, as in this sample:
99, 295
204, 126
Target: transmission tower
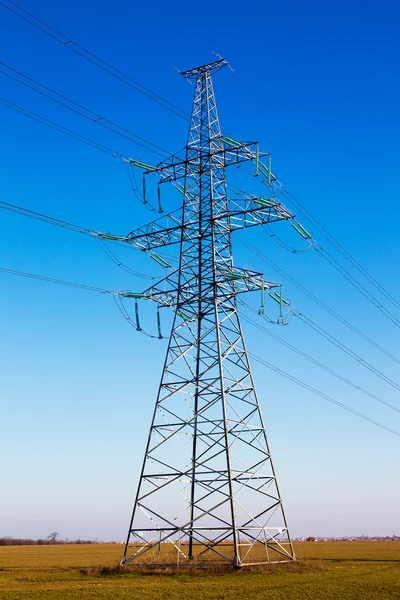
207, 491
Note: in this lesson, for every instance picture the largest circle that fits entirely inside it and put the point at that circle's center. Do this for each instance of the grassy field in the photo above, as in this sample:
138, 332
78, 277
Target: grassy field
326, 570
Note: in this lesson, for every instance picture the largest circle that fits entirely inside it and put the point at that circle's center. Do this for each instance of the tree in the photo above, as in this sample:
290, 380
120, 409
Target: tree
53, 536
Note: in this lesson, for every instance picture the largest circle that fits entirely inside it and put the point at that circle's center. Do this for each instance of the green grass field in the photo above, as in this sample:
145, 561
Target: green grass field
326, 570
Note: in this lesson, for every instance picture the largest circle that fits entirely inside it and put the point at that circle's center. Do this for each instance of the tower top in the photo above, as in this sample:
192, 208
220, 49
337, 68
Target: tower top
213, 66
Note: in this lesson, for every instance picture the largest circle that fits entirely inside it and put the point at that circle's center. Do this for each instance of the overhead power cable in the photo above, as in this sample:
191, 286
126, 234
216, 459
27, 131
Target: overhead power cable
345, 349
255, 357
73, 134
67, 42
316, 362
315, 299
102, 244
339, 268
119, 304
275, 238
362, 289
77, 229
341, 249
69, 132
58, 281
46, 218
278, 186
92, 58
117, 296
322, 394
81, 110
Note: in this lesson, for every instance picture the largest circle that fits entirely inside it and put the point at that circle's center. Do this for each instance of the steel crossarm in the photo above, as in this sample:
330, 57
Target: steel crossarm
248, 212
229, 283
164, 292
162, 232
176, 167
167, 230
243, 280
213, 66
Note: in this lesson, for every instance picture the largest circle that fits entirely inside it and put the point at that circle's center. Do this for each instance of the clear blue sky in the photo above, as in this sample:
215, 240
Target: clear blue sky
319, 88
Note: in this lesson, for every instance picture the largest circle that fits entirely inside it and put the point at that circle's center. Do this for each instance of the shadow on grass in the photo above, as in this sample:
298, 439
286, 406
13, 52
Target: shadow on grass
296, 567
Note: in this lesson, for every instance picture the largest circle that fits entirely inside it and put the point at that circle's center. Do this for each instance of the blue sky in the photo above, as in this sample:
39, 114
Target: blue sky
319, 88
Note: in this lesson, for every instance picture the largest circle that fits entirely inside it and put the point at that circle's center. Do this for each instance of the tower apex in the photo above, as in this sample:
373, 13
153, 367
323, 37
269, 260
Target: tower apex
213, 66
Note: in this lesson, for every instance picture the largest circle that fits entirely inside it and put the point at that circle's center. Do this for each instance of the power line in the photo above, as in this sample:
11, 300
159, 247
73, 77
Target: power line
46, 219
257, 358
278, 186
102, 244
117, 296
315, 299
337, 266
362, 289
340, 248
81, 110
58, 281
322, 394
74, 135
77, 229
69, 132
94, 59
345, 349
316, 362
275, 238
67, 42
119, 241
88, 141
119, 304
345, 273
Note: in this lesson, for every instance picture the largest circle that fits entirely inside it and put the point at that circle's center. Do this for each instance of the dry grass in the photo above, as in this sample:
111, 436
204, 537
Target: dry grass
340, 570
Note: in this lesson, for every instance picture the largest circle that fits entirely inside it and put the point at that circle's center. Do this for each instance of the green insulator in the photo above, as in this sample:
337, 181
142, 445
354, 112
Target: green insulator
304, 230
160, 209
144, 190
142, 165
300, 230
266, 171
264, 202
274, 296
278, 298
110, 236
132, 295
159, 260
159, 324
280, 304
261, 311
137, 316
257, 160
263, 169
230, 142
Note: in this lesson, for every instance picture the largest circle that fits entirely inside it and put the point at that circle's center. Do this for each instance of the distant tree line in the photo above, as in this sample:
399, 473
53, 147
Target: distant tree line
53, 538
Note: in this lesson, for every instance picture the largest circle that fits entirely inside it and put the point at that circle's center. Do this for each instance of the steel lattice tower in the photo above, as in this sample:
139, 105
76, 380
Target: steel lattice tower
207, 491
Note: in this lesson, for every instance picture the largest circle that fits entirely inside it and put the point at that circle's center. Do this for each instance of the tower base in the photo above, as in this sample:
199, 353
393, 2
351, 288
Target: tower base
256, 546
